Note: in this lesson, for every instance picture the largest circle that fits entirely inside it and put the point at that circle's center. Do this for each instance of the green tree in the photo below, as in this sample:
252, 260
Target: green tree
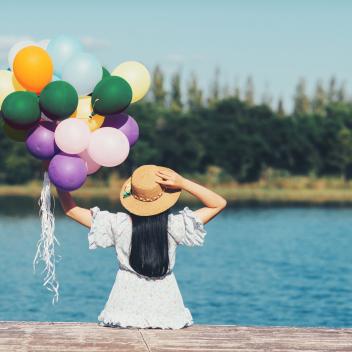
341, 94
332, 90
240, 138
225, 92
237, 90
158, 90
345, 155
267, 98
176, 95
301, 101
249, 92
195, 94
319, 100
280, 111
214, 95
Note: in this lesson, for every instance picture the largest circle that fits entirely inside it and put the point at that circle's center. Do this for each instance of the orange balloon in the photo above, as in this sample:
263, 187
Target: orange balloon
33, 68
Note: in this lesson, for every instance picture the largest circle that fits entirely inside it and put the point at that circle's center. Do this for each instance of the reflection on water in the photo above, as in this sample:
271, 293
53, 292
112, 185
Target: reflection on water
269, 266
20, 205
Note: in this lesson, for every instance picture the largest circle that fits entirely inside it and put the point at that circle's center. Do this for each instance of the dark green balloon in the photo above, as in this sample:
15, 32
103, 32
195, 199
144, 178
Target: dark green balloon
111, 95
21, 108
58, 100
106, 73
15, 134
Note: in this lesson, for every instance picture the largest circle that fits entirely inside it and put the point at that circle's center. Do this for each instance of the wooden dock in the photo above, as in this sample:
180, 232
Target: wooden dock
88, 337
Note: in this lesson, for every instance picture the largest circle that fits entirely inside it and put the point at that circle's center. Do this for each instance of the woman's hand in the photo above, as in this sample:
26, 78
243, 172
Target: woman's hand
213, 203
170, 179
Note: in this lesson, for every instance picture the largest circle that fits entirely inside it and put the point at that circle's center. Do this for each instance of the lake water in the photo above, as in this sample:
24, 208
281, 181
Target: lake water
269, 266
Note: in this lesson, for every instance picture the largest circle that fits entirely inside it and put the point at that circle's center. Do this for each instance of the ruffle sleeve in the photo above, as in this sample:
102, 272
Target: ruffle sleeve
186, 228
105, 229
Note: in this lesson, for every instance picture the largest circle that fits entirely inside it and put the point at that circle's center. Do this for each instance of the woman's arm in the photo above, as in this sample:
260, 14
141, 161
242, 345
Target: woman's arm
213, 202
81, 215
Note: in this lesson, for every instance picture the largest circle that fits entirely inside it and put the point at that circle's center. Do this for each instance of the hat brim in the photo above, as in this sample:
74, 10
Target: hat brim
138, 207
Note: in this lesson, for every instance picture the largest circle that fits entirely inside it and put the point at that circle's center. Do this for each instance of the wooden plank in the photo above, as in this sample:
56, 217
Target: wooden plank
248, 339
47, 337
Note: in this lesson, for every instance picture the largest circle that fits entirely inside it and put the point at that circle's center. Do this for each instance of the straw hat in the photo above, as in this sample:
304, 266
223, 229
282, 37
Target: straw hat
142, 195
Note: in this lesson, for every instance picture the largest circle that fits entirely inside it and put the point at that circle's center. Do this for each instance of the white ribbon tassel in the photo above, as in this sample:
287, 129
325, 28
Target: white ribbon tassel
46, 244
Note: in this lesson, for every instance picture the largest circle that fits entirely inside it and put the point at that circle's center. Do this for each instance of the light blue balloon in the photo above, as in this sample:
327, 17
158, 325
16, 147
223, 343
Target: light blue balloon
55, 78
83, 71
61, 49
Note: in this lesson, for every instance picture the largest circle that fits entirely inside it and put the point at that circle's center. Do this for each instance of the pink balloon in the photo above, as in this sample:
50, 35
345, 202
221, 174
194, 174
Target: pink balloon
72, 136
91, 165
108, 147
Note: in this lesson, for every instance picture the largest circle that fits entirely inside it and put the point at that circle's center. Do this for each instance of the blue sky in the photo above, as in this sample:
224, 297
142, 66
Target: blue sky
276, 42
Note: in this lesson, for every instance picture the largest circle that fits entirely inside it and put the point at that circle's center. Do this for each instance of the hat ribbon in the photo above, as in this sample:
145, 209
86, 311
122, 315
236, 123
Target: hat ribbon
128, 192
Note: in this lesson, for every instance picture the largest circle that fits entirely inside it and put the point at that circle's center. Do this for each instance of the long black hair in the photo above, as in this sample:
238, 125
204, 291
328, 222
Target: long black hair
149, 254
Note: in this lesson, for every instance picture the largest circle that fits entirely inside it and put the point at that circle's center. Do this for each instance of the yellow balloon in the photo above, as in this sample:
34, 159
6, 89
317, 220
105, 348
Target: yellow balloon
8, 84
95, 122
84, 111
137, 77
84, 107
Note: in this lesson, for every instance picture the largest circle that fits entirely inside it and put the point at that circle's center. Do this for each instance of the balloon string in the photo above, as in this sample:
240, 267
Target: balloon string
46, 244
95, 101
93, 113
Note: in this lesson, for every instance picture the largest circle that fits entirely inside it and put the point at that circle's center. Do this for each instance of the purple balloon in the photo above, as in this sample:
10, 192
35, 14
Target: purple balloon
126, 124
41, 142
67, 172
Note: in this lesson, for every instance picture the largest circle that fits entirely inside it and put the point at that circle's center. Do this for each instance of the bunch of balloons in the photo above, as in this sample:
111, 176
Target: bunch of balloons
67, 108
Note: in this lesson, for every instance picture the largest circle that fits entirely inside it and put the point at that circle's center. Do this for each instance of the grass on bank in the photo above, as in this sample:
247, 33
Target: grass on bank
269, 190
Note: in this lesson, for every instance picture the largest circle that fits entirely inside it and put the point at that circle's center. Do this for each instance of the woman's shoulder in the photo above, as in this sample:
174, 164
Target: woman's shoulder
114, 219
186, 228
96, 211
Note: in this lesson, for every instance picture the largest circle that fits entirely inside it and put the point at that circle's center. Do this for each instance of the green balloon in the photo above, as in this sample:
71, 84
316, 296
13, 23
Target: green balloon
58, 100
21, 108
111, 95
15, 134
106, 73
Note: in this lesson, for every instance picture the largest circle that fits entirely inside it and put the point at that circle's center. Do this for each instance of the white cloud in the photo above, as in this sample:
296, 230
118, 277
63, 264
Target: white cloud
180, 59
92, 43
6, 41
175, 58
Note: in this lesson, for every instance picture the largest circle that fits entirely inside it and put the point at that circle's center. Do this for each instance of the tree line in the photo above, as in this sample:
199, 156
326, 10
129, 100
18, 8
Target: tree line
191, 132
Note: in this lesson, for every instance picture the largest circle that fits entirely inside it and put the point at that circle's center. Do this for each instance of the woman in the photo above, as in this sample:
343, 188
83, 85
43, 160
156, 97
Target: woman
145, 293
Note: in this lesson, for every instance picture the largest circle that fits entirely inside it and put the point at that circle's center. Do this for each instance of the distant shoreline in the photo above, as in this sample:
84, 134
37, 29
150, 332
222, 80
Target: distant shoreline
235, 195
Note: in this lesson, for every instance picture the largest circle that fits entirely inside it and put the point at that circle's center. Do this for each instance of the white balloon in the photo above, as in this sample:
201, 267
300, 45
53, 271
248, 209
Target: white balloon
92, 166
43, 43
72, 136
16, 48
108, 146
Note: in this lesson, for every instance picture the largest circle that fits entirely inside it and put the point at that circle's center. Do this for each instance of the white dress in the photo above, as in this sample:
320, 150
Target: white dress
138, 301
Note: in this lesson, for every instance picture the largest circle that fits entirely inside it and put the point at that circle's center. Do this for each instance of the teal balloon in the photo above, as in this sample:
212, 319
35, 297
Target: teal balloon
106, 73
83, 71
21, 109
61, 49
111, 95
58, 100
